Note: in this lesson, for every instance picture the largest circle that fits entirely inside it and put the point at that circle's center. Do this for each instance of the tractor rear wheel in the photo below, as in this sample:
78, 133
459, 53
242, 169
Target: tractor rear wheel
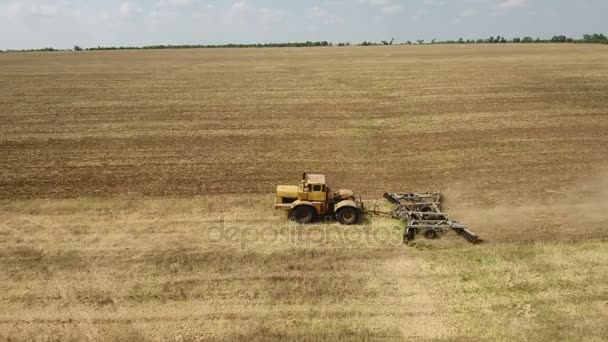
347, 216
303, 214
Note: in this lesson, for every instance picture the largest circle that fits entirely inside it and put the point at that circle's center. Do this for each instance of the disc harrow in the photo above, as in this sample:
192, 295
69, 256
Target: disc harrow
422, 214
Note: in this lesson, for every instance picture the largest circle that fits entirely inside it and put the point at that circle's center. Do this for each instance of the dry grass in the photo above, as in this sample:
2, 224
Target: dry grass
72, 270
136, 186
537, 292
156, 269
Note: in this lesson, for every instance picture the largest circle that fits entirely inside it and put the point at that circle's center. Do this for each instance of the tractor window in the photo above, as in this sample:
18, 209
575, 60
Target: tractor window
317, 188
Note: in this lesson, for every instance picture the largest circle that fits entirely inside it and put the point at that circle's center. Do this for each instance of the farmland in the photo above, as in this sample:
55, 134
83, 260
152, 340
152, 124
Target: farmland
136, 193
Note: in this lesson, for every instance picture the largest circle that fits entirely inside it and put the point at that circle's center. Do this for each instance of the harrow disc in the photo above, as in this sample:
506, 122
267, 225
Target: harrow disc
422, 212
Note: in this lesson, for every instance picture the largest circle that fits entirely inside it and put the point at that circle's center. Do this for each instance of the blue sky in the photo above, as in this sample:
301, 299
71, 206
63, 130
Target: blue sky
64, 23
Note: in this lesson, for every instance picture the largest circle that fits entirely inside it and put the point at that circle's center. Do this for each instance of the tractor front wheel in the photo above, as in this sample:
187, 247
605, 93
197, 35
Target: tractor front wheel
347, 216
303, 214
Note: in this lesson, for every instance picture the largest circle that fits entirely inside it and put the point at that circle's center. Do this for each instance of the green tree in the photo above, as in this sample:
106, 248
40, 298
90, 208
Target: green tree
559, 39
594, 38
527, 40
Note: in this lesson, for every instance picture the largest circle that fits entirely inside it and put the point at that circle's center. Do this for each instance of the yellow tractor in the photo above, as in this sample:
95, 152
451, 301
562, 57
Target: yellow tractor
313, 199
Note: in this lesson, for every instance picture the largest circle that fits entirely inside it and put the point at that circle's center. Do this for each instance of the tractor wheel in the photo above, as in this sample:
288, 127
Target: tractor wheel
347, 216
430, 234
304, 214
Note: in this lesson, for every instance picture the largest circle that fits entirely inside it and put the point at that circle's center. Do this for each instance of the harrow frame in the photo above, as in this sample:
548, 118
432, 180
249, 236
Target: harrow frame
422, 213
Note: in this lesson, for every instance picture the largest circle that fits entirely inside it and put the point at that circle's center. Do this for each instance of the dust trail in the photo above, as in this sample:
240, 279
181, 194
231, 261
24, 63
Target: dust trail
580, 211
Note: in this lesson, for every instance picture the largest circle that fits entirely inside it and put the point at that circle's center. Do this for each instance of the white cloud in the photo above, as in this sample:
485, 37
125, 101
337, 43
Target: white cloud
174, 3
269, 14
241, 5
437, 3
419, 13
393, 8
243, 15
43, 10
127, 8
471, 13
497, 14
317, 12
386, 6
509, 4
37, 8
376, 2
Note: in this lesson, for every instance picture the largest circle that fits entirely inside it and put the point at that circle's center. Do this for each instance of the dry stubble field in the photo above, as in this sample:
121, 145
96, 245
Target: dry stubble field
136, 188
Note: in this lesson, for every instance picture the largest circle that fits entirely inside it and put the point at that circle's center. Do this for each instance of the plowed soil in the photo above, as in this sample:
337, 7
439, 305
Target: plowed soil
502, 120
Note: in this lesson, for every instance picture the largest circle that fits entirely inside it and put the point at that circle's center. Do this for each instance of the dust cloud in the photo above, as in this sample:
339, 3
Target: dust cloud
576, 212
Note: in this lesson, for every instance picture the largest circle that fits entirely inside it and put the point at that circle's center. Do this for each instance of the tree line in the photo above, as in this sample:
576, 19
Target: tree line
187, 46
594, 38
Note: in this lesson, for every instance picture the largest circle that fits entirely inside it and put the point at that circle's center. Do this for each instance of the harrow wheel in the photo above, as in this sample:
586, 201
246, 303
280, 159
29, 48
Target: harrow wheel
430, 234
410, 235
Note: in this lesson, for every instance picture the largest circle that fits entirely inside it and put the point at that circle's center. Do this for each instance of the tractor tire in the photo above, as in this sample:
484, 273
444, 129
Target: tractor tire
347, 216
304, 214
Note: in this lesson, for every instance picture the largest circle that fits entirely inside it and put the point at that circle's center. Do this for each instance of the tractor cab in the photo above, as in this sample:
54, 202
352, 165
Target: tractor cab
312, 188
